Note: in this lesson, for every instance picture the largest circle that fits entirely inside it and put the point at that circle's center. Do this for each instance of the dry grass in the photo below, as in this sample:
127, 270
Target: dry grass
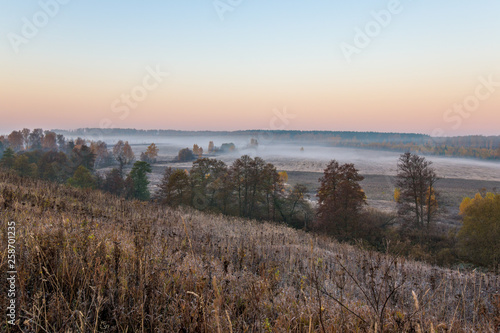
90, 262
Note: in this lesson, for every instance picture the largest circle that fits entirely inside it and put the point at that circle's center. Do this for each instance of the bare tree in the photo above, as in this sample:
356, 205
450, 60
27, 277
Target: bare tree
417, 202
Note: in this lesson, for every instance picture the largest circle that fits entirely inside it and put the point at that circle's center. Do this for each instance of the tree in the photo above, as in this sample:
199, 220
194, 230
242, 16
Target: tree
253, 143
54, 166
211, 147
240, 170
16, 140
69, 146
49, 141
123, 153
185, 155
102, 155
82, 178
227, 147
175, 188
255, 184
151, 154
35, 139
295, 209
23, 167
397, 194
8, 158
113, 182
26, 138
139, 178
205, 178
283, 176
80, 141
197, 150
479, 236
340, 199
417, 203
82, 155
61, 142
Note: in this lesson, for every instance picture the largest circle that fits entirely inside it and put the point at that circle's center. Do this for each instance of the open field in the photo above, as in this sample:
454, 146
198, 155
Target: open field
459, 177
379, 189
89, 261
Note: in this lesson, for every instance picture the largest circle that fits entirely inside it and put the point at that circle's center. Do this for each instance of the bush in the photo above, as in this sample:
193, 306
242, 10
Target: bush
185, 155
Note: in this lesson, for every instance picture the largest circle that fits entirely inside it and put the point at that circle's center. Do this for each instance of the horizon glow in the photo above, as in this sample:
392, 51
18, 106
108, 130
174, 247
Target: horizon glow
416, 71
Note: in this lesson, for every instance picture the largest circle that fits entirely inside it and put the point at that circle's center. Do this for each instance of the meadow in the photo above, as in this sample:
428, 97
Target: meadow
458, 177
91, 262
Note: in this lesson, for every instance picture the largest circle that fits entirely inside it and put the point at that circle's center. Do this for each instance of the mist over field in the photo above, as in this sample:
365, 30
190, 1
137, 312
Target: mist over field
250, 166
289, 157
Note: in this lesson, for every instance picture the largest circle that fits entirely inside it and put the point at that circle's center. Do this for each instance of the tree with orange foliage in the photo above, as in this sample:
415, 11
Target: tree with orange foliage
197, 150
49, 141
16, 140
283, 177
150, 154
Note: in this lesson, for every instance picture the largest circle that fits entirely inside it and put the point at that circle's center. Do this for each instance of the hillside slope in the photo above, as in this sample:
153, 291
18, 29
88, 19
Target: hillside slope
88, 261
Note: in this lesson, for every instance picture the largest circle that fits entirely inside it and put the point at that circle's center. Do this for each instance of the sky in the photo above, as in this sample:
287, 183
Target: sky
417, 66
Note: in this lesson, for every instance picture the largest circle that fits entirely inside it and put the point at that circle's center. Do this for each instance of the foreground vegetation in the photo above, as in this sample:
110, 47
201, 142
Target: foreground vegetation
89, 261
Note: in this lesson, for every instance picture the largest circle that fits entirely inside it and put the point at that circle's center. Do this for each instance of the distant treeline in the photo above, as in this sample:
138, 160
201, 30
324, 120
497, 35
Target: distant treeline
481, 147
264, 135
474, 146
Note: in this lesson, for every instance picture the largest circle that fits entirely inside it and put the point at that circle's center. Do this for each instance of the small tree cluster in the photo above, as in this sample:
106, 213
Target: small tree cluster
248, 188
150, 154
198, 151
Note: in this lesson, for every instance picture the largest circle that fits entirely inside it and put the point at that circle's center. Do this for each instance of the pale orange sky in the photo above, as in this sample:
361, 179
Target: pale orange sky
231, 75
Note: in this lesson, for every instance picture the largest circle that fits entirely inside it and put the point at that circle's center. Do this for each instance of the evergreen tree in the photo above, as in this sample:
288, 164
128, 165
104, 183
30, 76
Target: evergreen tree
8, 158
82, 178
138, 176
